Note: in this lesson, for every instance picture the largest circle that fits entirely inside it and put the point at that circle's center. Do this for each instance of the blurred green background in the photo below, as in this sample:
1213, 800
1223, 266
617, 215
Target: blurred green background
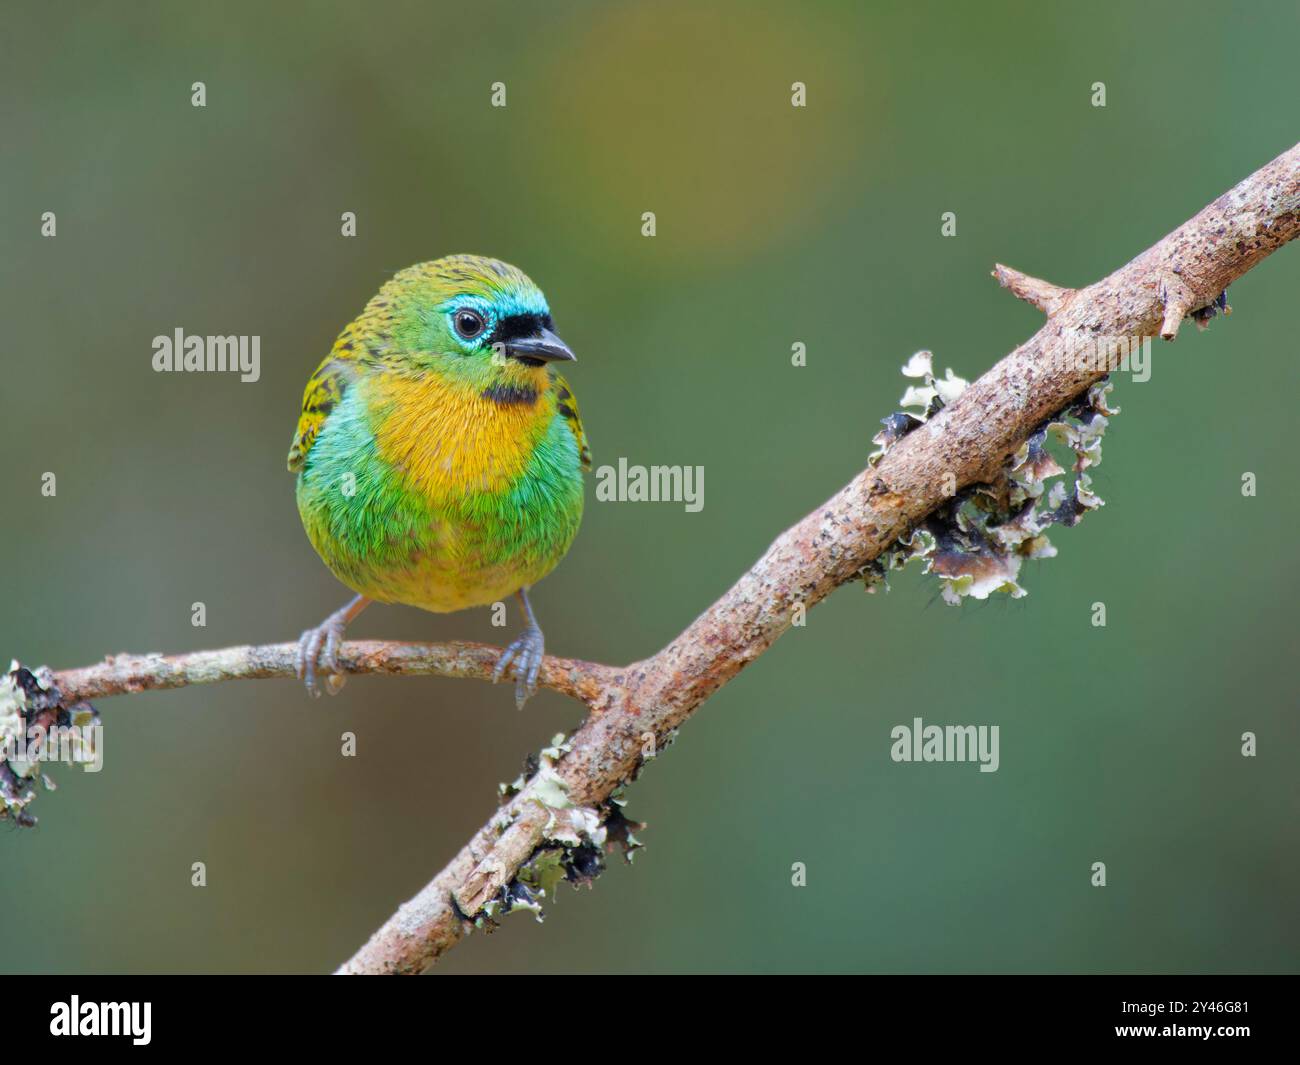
822, 225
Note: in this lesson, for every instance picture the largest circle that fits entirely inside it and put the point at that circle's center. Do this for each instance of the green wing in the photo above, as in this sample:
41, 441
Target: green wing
567, 404
324, 390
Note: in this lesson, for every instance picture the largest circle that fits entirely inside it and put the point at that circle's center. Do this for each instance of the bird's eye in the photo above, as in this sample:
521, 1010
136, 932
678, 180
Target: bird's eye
469, 324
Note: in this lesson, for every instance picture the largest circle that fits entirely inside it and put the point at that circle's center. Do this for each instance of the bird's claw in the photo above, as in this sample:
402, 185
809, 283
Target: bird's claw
526, 654
319, 647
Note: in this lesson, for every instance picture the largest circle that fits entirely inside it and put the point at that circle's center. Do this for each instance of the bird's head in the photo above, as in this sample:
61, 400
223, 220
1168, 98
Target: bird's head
473, 318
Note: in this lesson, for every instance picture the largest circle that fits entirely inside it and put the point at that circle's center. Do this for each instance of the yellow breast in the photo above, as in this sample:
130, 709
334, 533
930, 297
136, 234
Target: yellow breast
449, 440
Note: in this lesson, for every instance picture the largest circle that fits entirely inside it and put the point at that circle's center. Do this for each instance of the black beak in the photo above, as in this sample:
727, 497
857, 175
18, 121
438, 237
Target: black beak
542, 347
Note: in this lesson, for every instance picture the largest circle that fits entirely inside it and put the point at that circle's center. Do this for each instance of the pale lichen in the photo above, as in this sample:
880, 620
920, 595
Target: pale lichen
539, 775
574, 840
978, 541
34, 725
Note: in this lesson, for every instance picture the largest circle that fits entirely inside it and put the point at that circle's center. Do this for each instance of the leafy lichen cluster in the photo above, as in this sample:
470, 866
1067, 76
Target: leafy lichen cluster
575, 840
30, 707
977, 542
1219, 305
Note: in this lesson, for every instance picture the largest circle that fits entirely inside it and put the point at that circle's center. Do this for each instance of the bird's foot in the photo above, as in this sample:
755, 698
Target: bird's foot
525, 654
318, 648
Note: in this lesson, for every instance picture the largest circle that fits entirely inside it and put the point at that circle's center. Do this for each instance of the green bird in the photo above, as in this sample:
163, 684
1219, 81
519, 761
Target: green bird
440, 455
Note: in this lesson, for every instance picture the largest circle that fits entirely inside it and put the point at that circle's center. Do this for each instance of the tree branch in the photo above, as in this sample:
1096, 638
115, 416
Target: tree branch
1042, 294
635, 708
127, 674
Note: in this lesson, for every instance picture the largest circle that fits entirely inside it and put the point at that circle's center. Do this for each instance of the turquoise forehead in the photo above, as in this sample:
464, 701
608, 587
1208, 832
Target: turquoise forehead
500, 303
488, 285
